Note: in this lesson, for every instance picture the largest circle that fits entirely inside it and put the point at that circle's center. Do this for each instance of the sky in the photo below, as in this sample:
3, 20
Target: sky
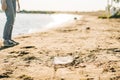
63, 5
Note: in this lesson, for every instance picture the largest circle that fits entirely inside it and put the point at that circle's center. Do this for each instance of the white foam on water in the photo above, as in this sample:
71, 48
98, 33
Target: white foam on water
57, 19
61, 18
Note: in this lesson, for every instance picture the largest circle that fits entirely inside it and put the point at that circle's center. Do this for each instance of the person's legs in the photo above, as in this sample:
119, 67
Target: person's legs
14, 15
10, 14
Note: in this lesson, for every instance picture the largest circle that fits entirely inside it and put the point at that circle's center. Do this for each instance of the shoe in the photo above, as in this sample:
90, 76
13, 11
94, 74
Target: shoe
7, 43
14, 42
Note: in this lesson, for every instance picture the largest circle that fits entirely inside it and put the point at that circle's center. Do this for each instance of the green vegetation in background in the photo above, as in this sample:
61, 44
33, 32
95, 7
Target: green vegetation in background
116, 16
105, 16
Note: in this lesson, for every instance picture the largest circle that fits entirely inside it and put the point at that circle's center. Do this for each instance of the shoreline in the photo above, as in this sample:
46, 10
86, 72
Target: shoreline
93, 43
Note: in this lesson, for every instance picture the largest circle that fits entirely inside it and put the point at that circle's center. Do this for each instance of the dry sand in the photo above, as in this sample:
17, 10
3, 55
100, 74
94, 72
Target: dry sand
93, 43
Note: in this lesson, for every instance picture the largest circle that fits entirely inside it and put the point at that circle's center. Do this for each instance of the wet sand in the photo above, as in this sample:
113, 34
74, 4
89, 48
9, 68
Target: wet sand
93, 43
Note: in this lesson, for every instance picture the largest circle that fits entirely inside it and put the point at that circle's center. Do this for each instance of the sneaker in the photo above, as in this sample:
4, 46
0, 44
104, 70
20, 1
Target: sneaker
7, 43
14, 42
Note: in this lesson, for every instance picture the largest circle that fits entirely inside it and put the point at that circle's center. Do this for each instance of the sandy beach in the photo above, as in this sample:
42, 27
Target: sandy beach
93, 43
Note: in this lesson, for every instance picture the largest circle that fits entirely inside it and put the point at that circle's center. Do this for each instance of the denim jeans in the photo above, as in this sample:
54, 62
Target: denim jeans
10, 16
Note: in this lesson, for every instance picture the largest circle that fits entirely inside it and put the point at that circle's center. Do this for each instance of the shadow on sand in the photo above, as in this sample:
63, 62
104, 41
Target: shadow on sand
4, 47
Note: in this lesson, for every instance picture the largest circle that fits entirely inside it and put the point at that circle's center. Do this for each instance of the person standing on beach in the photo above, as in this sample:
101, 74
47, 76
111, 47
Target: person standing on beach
9, 7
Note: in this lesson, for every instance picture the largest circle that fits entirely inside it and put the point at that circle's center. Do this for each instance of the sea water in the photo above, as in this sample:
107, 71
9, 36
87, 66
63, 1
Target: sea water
28, 23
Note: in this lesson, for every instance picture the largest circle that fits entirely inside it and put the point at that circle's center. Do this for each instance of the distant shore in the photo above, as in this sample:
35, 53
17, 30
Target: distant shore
50, 12
102, 13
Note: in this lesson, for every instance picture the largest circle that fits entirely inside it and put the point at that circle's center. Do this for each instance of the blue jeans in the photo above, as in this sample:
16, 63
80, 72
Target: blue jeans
10, 15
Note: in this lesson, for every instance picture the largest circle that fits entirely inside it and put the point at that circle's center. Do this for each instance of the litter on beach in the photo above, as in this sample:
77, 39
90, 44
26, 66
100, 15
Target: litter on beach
63, 60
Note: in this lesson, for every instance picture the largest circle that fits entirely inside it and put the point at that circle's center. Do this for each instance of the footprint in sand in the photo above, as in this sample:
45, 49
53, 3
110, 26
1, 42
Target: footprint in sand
28, 47
25, 77
20, 53
6, 74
